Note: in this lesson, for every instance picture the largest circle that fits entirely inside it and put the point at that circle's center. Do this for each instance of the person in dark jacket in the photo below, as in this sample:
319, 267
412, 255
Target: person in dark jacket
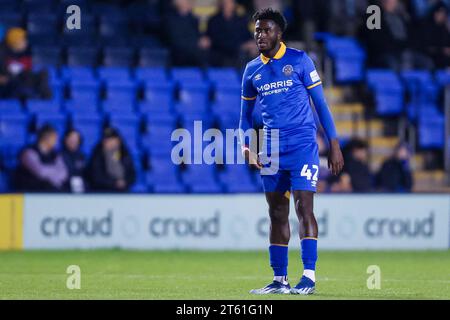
75, 160
41, 167
17, 77
395, 173
356, 166
111, 167
230, 37
188, 46
387, 46
434, 35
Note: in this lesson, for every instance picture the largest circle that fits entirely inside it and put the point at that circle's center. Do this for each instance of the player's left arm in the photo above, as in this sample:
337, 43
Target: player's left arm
313, 83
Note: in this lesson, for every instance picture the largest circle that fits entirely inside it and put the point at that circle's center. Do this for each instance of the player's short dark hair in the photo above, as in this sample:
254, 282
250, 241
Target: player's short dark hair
270, 14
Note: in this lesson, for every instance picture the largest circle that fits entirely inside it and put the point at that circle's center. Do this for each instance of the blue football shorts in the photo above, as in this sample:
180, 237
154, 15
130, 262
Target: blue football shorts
298, 169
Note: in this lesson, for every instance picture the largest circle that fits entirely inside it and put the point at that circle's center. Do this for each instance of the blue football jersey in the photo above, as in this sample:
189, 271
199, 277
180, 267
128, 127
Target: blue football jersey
282, 85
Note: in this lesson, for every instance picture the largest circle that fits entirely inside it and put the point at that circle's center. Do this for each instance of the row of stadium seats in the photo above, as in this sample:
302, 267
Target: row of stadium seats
143, 52
348, 58
22, 11
108, 96
415, 94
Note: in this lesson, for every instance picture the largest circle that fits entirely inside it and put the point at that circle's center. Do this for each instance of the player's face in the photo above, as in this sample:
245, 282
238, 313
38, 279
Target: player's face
267, 35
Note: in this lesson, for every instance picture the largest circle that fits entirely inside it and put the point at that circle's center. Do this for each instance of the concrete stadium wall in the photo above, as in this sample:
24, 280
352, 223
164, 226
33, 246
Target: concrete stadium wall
218, 222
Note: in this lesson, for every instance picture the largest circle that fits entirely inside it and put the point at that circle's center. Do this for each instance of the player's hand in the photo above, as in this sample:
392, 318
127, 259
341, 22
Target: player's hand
251, 158
335, 158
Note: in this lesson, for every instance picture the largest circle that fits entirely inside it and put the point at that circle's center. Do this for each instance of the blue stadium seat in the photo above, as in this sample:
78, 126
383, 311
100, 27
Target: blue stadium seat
87, 119
116, 106
10, 107
201, 179
194, 96
154, 114
389, 102
43, 40
140, 185
42, 24
443, 77
144, 41
227, 102
111, 26
85, 90
166, 181
237, 179
416, 77
10, 19
78, 73
75, 39
54, 77
349, 59
159, 103
419, 81
157, 142
382, 77
9, 151
106, 9
13, 128
57, 120
118, 57
43, 106
388, 91
161, 117
46, 55
151, 74
228, 121
82, 56
153, 57
9, 6
90, 132
39, 6
187, 75
349, 69
188, 119
431, 128
114, 74
159, 95
225, 78
87, 105
122, 91
125, 122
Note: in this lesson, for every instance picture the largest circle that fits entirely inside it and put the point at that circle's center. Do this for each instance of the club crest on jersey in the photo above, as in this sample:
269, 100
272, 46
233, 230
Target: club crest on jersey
258, 77
287, 70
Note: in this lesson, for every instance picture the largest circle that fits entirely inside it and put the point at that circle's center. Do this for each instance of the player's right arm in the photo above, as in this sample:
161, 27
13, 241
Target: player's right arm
248, 100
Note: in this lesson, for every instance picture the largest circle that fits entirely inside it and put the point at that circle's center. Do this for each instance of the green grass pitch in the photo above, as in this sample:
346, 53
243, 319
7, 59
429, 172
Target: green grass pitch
118, 274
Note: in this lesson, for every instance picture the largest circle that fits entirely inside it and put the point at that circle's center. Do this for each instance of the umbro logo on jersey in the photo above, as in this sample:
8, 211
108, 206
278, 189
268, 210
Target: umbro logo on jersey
258, 77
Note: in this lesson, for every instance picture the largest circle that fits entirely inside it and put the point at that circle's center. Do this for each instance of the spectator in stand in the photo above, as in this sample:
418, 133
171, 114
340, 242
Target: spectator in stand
395, 173
41, 167
340, 184
17, 78
356, 158
111, 167
435, 35
346, 16
188, 46
386, 47
231, 41
75, 160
